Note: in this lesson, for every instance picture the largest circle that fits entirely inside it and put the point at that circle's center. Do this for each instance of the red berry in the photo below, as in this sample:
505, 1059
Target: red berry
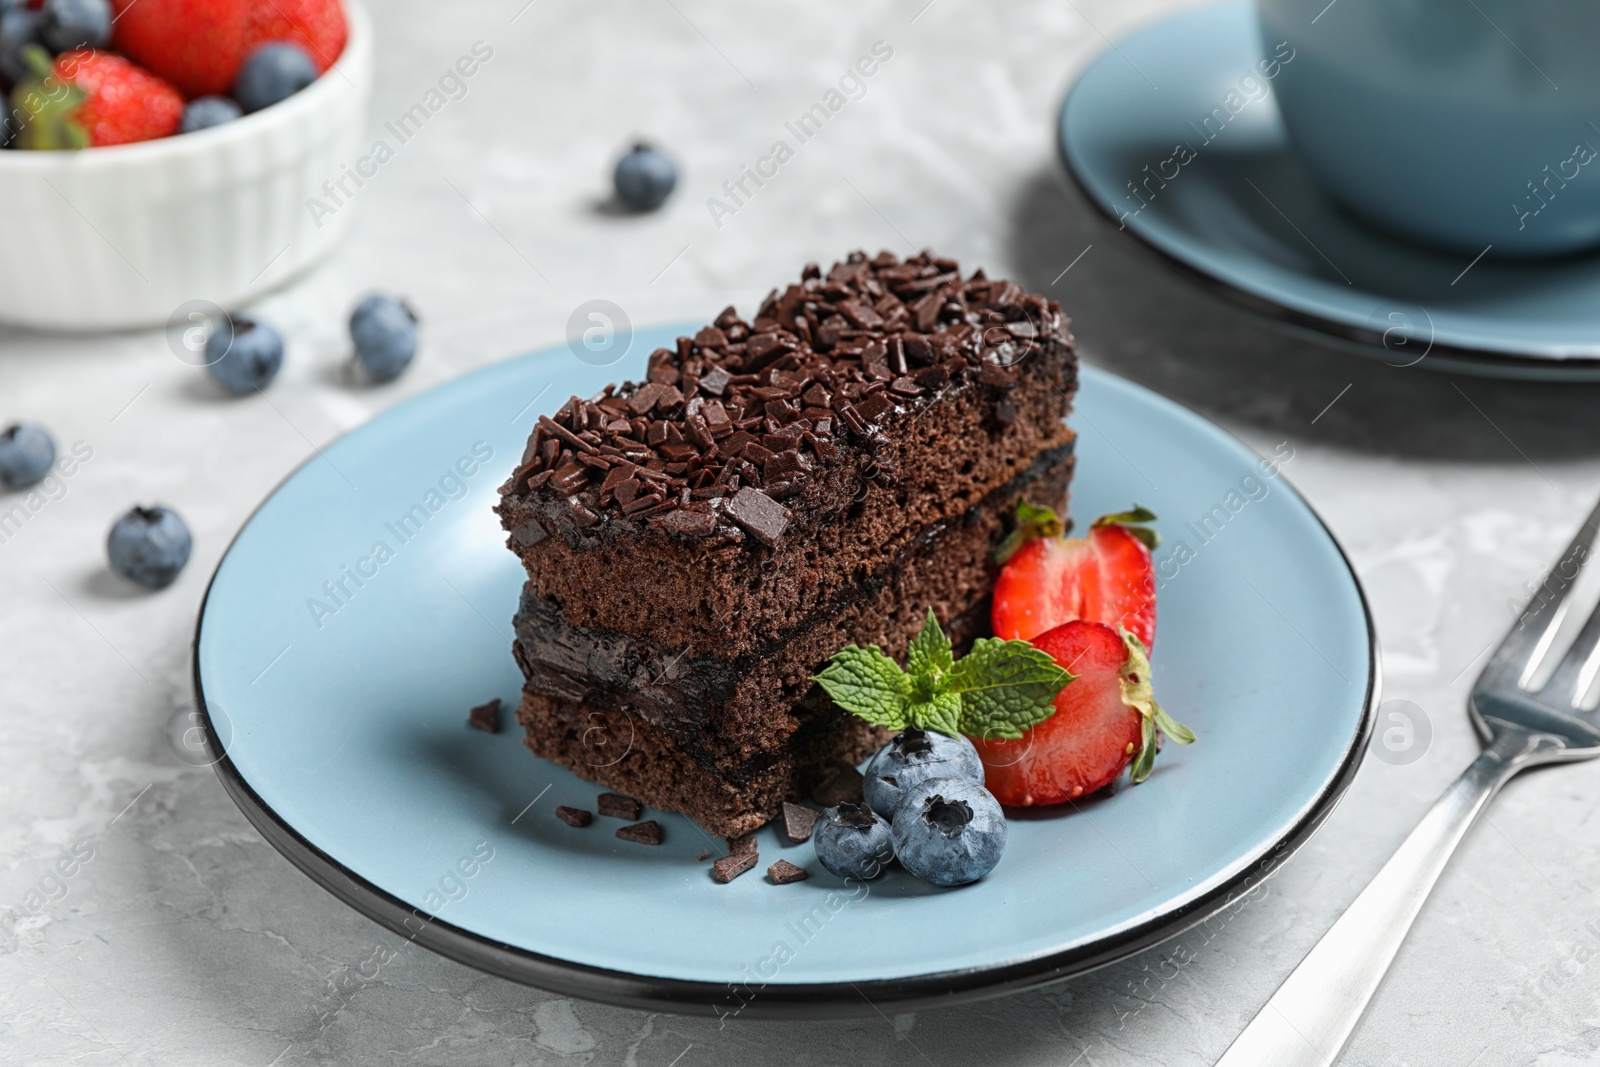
318, 26
197, 45
123, 103
1106, 577
1091, 737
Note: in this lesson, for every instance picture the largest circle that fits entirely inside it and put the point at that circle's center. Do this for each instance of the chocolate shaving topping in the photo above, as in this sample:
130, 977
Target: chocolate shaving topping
574, 816
730, 867
618, 806
798, 822
486, 716
783, 872
751, 412
645, 833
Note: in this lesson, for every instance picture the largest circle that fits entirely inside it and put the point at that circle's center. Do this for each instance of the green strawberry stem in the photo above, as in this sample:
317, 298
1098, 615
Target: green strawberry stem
1034, 521
47, 107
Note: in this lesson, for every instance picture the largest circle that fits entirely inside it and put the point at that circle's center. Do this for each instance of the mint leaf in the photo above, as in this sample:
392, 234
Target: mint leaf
930, 655
1006, 687
1133, 521
1033, 521
869, 685
942, 713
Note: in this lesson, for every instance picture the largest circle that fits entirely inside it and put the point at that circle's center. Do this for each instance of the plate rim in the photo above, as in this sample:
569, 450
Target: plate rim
778, 1001
1445, 357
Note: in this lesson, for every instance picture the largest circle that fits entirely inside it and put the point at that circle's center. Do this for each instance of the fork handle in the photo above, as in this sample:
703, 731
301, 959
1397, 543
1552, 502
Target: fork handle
1312, 1015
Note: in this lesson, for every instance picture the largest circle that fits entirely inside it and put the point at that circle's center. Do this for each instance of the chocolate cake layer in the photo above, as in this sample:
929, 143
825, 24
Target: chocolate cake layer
732, 712
763, 465
643, 762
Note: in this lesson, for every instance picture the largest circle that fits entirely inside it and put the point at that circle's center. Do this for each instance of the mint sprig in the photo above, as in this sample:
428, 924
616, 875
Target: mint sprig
997, 690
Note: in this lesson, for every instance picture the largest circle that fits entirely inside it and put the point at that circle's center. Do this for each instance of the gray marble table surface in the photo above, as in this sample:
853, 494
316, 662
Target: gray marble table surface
186, 939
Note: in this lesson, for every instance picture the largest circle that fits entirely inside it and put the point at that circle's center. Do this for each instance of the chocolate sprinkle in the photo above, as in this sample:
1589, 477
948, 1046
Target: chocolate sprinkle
744, 415
618, 806
798, 821
783, 872
574, 816
486, 716
730, 867
644, 833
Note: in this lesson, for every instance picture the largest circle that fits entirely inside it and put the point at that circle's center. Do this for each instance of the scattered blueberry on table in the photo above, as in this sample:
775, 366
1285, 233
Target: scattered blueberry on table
644, 178
245, 357
913, 757
853, 841
149, 546
275, 71
26, 452
384, 330
949, 831
206, 112
68, 24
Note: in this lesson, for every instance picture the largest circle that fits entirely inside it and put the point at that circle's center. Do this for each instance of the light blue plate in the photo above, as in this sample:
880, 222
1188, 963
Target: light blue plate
1245, 217
347, 746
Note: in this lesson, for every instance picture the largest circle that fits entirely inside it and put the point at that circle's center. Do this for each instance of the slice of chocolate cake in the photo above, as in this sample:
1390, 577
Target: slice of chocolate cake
700, 543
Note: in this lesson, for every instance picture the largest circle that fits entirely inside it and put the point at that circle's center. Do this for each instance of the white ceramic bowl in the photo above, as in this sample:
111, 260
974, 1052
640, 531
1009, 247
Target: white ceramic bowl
110, 238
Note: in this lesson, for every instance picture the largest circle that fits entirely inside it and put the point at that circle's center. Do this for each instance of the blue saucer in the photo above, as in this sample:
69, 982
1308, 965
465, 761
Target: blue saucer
1240, 211
367, 603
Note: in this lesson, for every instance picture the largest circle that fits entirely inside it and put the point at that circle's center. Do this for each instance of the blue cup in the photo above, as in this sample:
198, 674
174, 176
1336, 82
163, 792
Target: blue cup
1463, 124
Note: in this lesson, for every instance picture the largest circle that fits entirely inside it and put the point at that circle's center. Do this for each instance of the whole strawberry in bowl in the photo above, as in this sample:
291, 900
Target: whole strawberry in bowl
134, 180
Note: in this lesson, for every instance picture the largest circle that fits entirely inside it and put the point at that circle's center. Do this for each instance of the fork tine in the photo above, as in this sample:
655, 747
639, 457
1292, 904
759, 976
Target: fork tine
1575, 673
1514, 662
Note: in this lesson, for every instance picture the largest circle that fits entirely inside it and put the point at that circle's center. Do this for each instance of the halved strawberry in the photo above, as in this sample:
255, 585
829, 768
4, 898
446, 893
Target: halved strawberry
1105, 719
197, 45
1048, 579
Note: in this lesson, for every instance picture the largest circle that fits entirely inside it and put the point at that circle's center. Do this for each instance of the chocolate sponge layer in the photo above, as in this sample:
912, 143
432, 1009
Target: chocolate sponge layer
731, 596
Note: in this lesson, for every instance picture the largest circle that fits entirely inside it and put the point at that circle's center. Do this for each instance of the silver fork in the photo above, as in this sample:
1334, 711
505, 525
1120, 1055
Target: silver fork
1312, 1015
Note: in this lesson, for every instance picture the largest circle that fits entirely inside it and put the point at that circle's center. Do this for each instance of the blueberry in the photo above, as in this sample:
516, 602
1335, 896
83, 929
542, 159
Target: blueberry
18, 26
275, 71
911, 759
644, 178
68, 24
244, 356
949, 831
384, 330
149, 546
26, 452
207, 111
852, 841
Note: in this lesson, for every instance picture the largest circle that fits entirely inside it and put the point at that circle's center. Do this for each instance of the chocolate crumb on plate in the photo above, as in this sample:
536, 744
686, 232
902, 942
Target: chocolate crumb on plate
798, 821
783, 872
486, 716
738, 846
574, 816
618, 806
644, 833
730, 867
703, 857
841, 786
